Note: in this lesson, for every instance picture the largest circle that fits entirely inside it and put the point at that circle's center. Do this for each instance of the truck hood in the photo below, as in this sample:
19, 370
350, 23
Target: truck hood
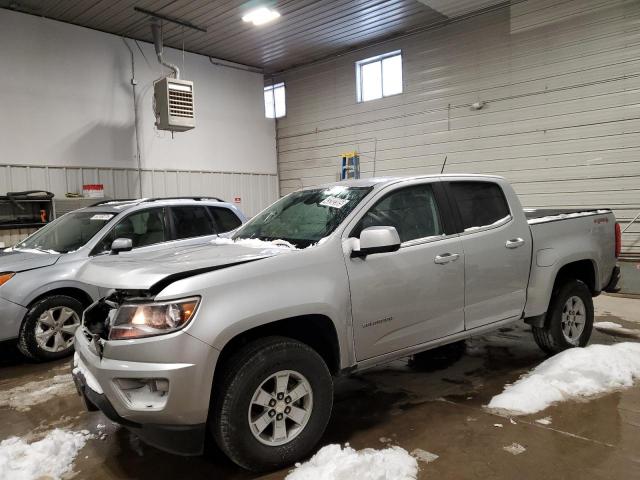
154, 270
21, 260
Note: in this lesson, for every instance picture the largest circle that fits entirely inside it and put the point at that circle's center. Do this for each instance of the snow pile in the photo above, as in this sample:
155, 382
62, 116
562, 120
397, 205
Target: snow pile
254, 243
424, 456
616, 329
23, 397
336, 463
572, 374
514, 449
49, 458
544, 421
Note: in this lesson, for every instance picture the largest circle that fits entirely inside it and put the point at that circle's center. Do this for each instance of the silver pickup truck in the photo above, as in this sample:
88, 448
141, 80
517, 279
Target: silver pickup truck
241, 337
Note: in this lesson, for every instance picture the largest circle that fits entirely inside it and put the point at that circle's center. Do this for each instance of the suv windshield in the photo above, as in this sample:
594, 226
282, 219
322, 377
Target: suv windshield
304, 217
68, 233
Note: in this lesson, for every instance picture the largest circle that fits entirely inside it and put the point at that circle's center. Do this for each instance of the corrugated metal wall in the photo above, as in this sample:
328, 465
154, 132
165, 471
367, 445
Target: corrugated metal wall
256, 191
562, 120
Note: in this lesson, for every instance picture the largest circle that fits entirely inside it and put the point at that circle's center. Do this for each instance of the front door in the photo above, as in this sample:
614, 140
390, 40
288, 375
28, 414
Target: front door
415, 294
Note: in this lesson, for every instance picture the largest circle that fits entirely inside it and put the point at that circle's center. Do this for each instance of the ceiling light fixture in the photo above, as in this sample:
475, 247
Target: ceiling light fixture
260, 16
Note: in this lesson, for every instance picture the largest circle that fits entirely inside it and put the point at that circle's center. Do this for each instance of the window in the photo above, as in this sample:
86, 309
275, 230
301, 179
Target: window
144, 228
380, 76
225, 219
68, 233
305, 217
480, 203
190, 222
274, 101
412, 211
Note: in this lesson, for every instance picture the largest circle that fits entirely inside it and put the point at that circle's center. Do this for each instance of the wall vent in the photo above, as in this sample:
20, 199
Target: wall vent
174, 107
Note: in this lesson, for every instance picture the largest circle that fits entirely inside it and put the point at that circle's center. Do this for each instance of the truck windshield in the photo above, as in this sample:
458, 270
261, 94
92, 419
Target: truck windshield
305, 217
68, 233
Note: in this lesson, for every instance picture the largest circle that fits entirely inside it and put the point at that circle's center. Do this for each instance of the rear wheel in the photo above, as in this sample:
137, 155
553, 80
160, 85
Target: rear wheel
48, 328
569, 319
272, 404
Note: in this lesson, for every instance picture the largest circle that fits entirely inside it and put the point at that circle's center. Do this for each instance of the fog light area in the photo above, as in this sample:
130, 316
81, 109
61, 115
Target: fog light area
144, 393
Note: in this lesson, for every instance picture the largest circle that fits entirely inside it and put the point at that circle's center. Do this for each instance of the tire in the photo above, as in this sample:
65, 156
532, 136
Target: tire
552, 338
252, 367
65, 312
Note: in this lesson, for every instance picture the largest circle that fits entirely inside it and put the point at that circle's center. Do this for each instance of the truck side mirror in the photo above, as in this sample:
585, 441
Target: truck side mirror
121, 245
377, 240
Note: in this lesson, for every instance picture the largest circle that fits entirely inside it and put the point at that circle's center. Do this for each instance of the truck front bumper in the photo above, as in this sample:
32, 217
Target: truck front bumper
11, 316
165, 404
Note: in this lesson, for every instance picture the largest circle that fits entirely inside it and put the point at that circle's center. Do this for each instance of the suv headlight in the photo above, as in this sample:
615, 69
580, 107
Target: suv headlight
149, 319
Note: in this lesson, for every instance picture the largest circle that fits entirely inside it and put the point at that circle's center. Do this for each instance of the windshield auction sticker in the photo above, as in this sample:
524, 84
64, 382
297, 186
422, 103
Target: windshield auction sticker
102, 217
334, 202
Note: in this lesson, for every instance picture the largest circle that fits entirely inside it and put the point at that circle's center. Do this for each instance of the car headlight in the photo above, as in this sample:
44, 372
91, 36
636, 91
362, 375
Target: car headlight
5, 277
149, 319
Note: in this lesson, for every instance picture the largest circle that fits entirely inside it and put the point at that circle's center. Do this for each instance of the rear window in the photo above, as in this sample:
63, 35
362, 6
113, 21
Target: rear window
225, 219
190, 222
480, 204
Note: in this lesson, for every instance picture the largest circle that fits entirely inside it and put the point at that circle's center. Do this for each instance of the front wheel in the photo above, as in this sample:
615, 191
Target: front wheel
569, 319
272, 404
48, 328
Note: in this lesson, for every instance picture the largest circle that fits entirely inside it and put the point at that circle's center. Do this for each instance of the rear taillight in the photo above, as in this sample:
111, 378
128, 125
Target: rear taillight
618, 240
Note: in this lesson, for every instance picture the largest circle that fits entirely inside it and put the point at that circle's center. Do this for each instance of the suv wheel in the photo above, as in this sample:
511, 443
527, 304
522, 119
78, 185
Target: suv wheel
569, 320
48, 328
272, 404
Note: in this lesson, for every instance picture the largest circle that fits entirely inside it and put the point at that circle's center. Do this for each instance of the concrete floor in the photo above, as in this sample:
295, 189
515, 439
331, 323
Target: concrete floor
440, 411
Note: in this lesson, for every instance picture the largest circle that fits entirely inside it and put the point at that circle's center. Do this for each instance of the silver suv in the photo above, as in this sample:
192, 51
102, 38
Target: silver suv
40, 301
242, 337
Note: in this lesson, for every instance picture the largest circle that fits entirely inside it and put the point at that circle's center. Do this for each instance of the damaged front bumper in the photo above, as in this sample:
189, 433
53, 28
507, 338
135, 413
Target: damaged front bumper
165, 404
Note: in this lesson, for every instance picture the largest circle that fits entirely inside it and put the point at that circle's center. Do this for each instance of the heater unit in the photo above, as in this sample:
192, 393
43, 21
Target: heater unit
174, 104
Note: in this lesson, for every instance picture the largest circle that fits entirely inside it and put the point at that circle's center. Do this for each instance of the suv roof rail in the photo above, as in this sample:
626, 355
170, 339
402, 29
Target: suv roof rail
113, 200
204, 197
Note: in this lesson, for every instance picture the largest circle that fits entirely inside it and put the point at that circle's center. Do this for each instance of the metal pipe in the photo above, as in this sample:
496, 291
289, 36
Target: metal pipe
135, 114
167, 18
157, 43
631, 223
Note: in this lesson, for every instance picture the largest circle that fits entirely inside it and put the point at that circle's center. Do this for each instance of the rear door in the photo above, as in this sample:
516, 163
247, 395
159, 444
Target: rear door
416, 294
497, 252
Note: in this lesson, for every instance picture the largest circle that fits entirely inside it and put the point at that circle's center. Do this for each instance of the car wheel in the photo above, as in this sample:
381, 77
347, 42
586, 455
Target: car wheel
48, 328
272, 403
569, 319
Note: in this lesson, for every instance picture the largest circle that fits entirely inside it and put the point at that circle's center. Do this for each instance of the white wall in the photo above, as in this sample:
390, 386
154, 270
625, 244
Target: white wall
562, 122
66, 100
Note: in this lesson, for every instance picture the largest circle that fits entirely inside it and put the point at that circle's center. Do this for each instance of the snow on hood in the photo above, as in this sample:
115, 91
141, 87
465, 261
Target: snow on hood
140, 271
573, 374
14, 260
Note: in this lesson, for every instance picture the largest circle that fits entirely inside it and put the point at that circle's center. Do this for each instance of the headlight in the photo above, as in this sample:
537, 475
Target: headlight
5, 277
149, 319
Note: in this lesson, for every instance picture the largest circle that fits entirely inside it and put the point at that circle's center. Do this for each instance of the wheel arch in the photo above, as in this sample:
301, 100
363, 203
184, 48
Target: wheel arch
315, 330
74, 292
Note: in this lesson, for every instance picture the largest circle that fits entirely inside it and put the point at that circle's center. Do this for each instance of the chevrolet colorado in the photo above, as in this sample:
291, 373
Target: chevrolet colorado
240, 338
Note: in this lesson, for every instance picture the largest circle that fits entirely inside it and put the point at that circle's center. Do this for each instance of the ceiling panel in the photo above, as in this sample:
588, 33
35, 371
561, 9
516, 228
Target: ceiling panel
307, 30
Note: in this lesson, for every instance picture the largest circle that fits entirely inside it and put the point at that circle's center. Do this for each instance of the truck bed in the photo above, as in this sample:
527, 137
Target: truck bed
543, 215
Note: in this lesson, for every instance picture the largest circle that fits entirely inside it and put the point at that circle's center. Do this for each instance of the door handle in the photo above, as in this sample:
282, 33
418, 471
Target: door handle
514, 243
446, 258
